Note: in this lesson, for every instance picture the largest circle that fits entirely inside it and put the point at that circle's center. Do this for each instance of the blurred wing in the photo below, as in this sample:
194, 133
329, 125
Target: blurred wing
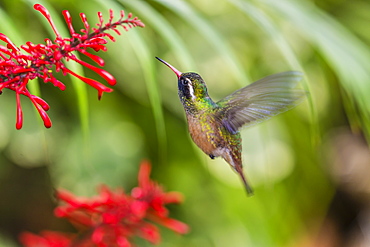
260, 100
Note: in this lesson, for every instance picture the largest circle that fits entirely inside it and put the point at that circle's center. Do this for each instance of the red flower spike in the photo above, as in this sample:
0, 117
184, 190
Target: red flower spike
39, 61
113, 218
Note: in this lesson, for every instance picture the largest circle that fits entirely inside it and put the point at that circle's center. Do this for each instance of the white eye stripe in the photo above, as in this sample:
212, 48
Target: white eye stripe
190, 86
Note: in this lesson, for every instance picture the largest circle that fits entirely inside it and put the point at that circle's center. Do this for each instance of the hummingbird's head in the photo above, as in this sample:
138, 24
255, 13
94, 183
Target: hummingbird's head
191, 86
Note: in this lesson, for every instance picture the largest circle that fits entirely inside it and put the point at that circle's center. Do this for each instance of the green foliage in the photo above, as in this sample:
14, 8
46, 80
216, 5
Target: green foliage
230, 43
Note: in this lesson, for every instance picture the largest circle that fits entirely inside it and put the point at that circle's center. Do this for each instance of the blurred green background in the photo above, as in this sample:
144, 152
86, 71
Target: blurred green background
310, 167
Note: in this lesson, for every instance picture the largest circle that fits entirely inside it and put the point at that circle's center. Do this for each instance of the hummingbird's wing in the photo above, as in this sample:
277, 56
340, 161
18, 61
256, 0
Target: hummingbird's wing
260, 100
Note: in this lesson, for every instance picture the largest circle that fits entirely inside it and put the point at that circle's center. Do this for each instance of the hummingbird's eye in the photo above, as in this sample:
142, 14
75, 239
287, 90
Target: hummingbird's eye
185, 81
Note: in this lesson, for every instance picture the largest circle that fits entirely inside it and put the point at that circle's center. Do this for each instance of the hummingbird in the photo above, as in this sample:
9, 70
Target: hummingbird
215, 126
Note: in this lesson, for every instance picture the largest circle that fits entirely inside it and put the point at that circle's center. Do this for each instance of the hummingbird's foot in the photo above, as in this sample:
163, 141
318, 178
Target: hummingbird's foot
212, 156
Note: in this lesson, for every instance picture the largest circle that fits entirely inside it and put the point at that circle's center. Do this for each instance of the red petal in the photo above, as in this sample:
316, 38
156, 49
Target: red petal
41, 102
10, 44
122, 241
139, 208
144, 174
19, 122
68, 19
106, 75
29, 239
97, 85
93, 57
150, 233
172, 224
45, 117
46, 13
98, 235
46, 239
173, 197
84, 21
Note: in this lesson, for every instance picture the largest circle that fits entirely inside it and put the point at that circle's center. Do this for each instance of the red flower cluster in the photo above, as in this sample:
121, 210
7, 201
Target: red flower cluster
113, 218
17, 68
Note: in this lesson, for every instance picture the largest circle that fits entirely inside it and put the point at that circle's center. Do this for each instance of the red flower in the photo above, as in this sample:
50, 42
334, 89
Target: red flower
155, 199
112, 218
17, 68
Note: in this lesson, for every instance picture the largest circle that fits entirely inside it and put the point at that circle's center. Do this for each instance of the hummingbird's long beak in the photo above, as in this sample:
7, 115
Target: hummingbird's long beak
178, 73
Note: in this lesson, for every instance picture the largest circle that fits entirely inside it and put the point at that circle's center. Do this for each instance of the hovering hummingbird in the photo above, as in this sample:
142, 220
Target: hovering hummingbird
214, 126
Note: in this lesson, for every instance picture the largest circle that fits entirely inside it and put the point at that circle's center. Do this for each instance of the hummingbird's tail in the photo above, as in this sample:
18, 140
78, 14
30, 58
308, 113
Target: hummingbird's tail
248, 188
234, 160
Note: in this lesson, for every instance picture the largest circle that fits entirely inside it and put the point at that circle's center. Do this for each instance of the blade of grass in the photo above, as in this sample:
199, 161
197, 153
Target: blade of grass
348, 56
274, 34
147, 63
147, 60
190, 16
156, 21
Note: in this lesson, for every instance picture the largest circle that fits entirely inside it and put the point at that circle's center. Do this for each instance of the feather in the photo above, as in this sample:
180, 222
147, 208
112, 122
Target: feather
260, 100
